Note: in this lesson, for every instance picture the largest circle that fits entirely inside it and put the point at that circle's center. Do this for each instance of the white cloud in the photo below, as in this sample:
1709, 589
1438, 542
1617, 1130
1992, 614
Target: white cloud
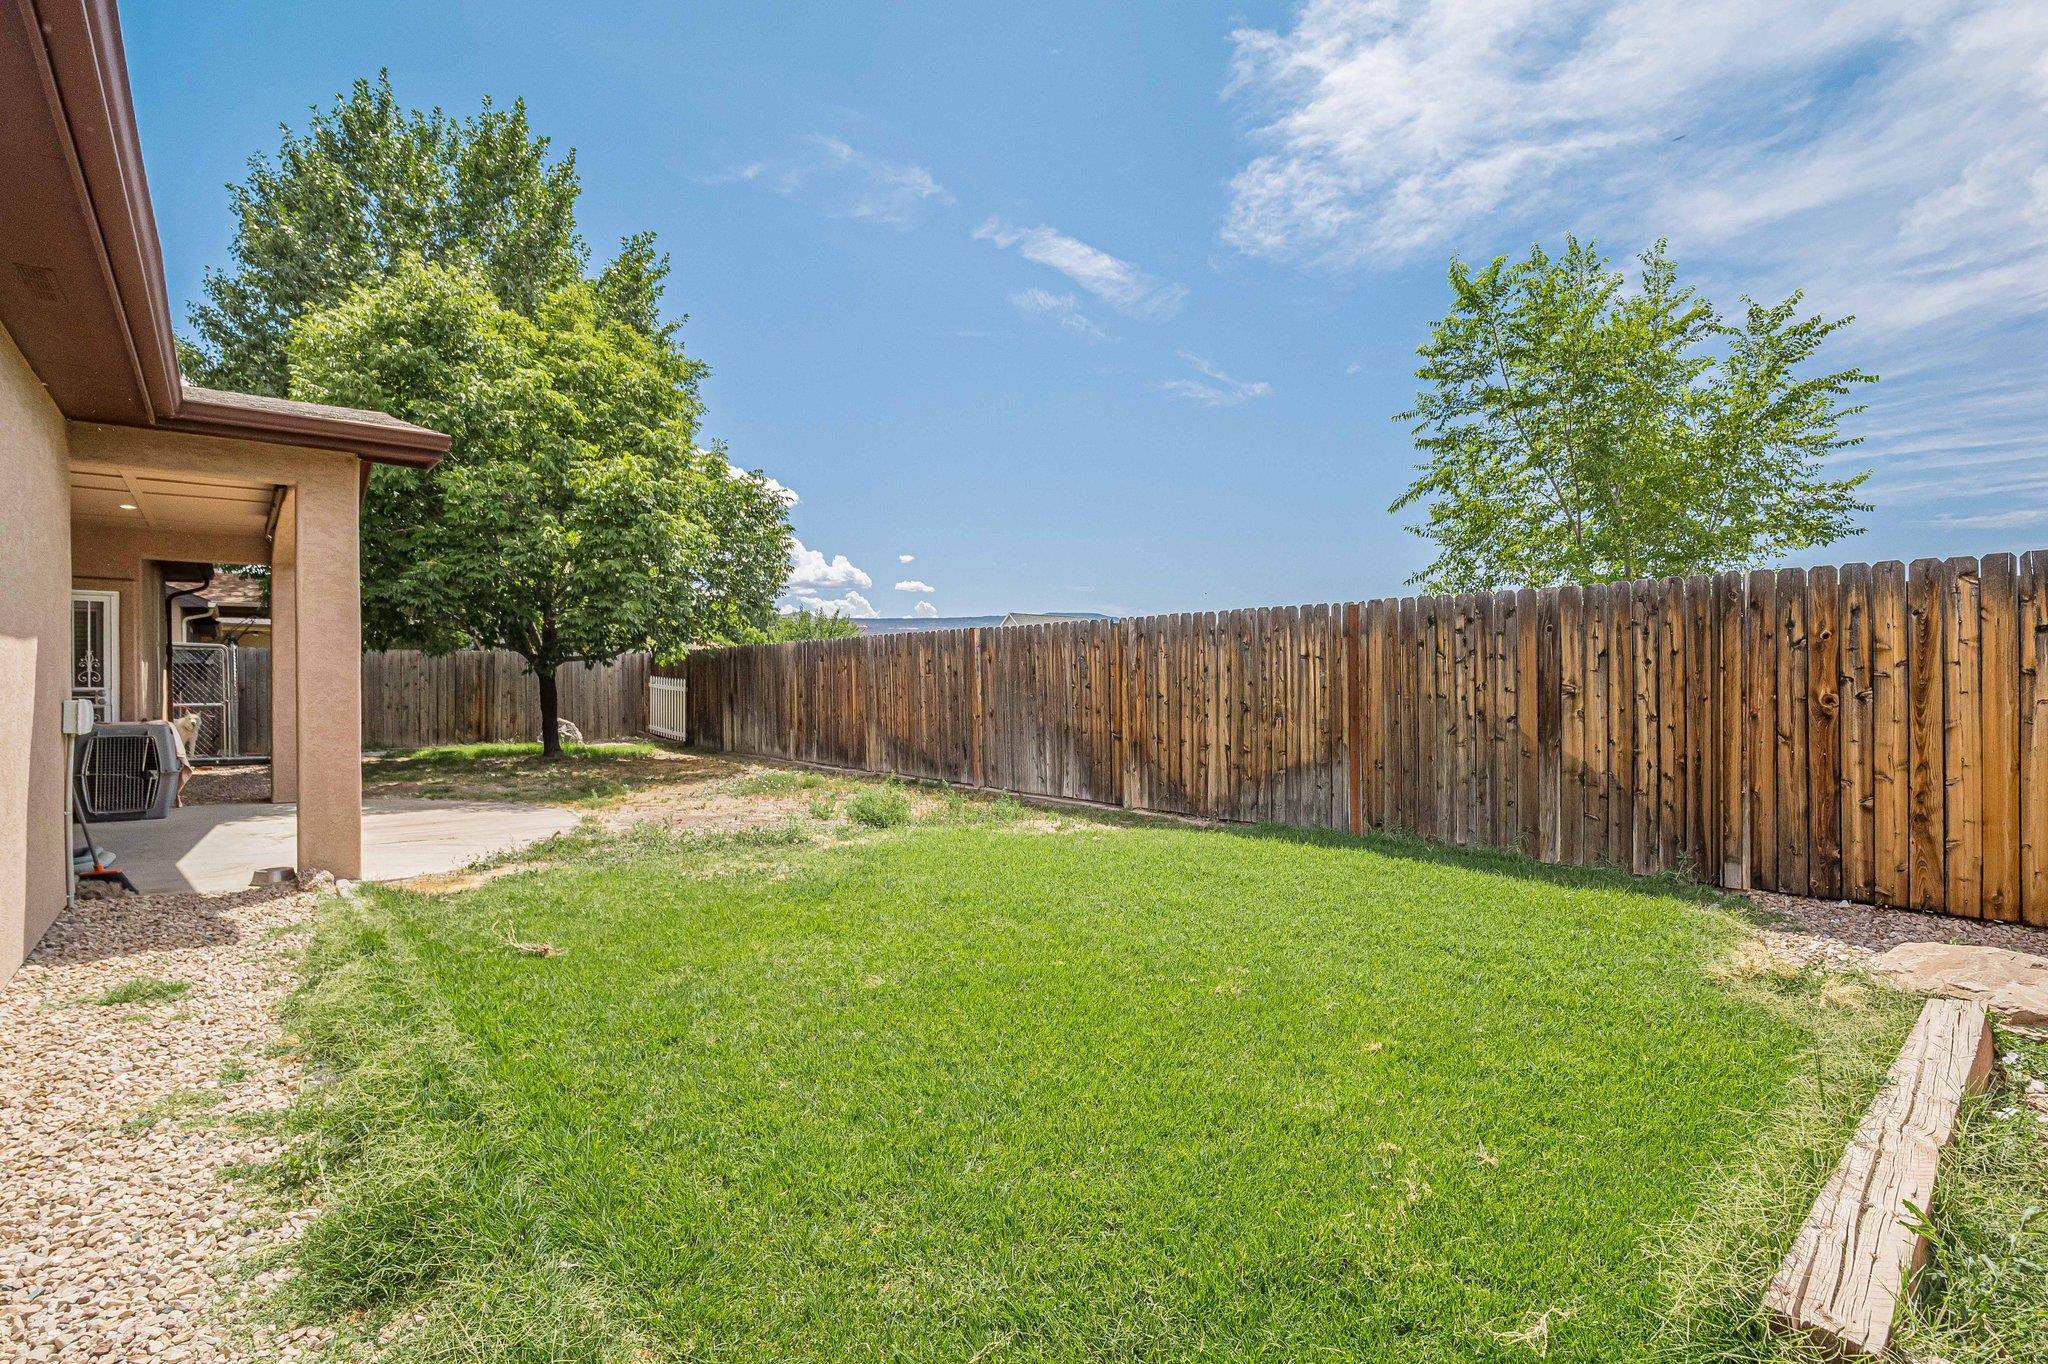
1889, 157
852, 605
1064, 309
847, 182
1999, 520
924, 608
810, 570
1391, 127
913, 585
1214, 388
781, 490
906, 558
1116, 282
1906, 138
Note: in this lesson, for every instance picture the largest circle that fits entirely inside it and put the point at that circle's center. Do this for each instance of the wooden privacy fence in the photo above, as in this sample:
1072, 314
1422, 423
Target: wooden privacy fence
251, 672
1872, 733
486, 696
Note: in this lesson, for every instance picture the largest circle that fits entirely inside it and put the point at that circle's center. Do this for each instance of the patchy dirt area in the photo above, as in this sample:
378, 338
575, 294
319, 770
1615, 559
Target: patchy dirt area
137, 1034
238, 784
593, 775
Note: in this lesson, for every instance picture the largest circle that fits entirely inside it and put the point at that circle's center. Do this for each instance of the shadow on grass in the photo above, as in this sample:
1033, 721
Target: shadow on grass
584, 774
1495, 861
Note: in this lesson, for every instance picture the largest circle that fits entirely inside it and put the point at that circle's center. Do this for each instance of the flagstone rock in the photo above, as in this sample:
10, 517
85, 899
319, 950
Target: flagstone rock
2013, 985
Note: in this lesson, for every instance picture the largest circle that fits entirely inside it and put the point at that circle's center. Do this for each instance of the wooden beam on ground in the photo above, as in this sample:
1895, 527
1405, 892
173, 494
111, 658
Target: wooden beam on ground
1853, 1258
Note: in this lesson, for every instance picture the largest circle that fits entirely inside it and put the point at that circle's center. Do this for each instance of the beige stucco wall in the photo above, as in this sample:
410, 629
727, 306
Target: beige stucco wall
35, 655
317, 698
317, 608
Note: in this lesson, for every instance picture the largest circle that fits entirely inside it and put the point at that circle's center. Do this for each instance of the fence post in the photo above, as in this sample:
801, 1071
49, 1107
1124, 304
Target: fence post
1354, 715
975, 705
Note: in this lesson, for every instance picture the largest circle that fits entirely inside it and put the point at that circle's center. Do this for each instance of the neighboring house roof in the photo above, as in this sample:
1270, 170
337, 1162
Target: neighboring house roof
233, 591
896, 625
82, 281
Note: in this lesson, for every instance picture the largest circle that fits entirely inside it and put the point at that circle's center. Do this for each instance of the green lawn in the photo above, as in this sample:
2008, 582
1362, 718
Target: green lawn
976, 1089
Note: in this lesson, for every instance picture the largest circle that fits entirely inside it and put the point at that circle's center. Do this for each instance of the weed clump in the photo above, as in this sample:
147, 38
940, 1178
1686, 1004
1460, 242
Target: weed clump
142, 990
883, 807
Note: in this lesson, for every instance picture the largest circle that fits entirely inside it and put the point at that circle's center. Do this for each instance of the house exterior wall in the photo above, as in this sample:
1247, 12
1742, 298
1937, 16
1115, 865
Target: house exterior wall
284, 661
35, 655
43, 554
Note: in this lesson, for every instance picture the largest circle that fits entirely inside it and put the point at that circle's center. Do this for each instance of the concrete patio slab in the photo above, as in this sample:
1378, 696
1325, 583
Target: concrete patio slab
214, 848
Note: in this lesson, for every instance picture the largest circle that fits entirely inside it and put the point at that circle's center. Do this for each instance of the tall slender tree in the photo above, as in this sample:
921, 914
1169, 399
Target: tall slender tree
1573, 430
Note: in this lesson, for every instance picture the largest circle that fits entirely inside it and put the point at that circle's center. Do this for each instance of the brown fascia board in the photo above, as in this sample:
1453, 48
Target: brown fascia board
90, 309
372, 435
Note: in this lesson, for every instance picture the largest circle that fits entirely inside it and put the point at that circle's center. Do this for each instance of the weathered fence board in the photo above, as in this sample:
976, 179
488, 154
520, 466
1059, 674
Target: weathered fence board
1869, 732
411, 700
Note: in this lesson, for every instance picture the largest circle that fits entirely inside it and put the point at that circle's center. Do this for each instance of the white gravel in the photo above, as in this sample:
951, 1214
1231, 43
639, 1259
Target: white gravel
119, 1236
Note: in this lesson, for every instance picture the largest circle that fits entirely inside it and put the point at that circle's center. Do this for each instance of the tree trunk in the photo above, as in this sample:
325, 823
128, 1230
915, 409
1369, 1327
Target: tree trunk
550, 713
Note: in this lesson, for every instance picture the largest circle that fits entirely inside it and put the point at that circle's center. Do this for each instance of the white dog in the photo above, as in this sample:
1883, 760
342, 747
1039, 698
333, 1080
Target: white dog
184, 734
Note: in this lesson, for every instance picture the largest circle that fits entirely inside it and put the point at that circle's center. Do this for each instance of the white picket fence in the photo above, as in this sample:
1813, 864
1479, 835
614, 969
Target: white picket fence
665, 712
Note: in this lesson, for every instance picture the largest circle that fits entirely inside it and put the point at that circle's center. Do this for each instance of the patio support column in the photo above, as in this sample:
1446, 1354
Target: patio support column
327, 669
284, 652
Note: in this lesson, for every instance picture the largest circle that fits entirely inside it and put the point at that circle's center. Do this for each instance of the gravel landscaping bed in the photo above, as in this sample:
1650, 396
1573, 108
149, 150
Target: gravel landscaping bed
1841, 934
136, 1033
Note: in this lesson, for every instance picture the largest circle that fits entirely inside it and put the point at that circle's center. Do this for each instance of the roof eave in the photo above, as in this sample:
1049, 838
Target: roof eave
414, 447
75, 85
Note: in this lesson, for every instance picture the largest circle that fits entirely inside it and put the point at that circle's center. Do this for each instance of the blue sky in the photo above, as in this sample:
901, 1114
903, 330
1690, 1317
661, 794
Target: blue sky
1109, 307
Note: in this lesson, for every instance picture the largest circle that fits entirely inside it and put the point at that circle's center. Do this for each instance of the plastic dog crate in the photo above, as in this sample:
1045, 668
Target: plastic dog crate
127, 771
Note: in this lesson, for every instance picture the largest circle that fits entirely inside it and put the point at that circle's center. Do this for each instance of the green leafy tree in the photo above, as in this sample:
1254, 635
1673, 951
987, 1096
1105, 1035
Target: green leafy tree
575, 516
371, 183
1573, 430
795, 625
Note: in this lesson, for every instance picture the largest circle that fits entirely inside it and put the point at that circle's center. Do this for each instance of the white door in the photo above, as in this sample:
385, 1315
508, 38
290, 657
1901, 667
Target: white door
96, 651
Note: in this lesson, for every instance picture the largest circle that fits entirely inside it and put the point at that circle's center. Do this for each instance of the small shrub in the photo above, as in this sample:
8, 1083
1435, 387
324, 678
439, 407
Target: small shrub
177, 1104
882, 807
976, 809
142, 990
824, 807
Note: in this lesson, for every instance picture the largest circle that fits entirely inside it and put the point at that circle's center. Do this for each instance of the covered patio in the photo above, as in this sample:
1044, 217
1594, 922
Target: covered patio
151, 510
212, 849
118, 479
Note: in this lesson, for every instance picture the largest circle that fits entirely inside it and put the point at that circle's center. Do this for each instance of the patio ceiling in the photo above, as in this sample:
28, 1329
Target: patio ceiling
145, 499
